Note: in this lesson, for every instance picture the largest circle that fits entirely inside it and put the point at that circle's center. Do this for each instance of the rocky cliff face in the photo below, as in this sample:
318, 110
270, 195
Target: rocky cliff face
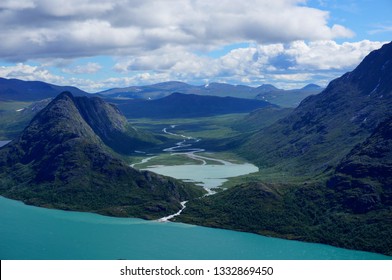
327, 167
111, 126
61, 161
364, 176
325, 127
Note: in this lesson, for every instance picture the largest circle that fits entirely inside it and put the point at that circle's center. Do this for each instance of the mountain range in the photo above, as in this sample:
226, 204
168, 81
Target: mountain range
64, 159
325, 168
286, 98
179, 105
18, 90
325, 127
280, 97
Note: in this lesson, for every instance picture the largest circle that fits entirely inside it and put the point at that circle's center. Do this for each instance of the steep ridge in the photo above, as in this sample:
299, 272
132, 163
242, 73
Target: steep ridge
111, 126
178, 105
334, 153
59, 161
325, 127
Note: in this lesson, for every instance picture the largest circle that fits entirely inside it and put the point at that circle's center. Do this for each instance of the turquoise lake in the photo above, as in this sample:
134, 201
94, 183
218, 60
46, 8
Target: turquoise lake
29, 232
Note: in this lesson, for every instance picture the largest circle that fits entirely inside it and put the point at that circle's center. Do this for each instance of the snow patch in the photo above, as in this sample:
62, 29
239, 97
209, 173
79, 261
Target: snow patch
376, 88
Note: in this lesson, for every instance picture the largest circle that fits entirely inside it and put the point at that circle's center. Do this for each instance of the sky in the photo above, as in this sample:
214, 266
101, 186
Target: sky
101, 44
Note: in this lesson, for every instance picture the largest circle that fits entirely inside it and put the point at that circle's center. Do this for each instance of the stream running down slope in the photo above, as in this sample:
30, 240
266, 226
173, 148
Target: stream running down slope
210, 173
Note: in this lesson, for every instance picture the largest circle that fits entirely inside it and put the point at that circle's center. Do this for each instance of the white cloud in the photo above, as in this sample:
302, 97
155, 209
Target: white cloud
17, 5
285, 65
38, 73
326, 55
292, 77
71, 8
88, 68
30, 73
381, 29
80, 28
298, 61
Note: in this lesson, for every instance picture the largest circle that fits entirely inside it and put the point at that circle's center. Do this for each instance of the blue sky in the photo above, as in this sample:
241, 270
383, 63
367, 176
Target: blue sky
101, 44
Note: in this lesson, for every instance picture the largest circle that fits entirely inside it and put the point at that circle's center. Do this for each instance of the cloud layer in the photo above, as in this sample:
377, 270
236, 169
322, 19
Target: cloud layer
294, 62
287, 65
78, 28
252, 42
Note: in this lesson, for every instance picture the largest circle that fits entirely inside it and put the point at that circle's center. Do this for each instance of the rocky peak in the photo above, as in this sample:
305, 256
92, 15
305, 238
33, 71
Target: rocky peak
104, 118
326, 126
61, 161
372, 76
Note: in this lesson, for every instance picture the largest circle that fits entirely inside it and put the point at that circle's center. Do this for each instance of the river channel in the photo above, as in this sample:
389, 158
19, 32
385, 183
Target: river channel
209, 173
34, 233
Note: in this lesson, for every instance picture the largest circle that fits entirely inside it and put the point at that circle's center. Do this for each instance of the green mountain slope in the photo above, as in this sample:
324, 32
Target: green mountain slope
15, 116
352, 209
60, 161
307, 212
325, 127
364, 177
338, 147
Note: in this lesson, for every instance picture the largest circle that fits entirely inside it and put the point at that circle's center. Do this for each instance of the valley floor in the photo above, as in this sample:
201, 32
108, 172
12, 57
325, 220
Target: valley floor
266, 201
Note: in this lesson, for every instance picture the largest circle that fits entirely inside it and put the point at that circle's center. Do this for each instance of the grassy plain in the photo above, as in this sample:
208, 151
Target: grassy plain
213, 132
12, 122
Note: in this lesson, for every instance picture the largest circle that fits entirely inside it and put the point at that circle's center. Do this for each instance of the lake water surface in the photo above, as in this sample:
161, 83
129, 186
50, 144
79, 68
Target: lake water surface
29, 232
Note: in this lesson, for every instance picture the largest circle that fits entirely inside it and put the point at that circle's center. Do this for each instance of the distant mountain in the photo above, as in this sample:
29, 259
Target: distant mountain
226, 90
286, 98
27, 91
325, 127
155, 91
61, 160
265, 92
161, 90
325, 169
312, 87
18, 90
178, 105
266, 88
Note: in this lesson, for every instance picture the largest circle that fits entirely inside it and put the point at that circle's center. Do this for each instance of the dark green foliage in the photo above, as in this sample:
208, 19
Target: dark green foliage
325, 127
261, 118
15, 116
308, 213
364, 176
59, 161
340, 144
